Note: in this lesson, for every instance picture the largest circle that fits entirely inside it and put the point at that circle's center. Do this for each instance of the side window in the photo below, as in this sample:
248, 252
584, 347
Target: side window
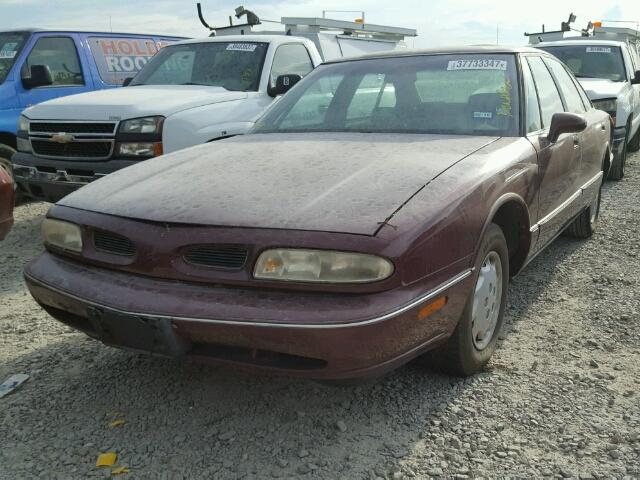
292, 58
548, 95
567, 88
533, 107
61, 56
310, 110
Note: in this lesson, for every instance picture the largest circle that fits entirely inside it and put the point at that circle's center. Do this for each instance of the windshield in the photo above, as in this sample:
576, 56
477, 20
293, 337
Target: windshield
10, 45
438, 94
591, 61
231, 65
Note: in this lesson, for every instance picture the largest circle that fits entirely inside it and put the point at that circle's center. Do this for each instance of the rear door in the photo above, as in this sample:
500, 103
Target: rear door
559, 162
60, 52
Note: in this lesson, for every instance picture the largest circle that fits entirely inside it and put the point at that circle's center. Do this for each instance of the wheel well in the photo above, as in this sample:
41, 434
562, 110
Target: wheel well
606, 163
8, 139
513, 219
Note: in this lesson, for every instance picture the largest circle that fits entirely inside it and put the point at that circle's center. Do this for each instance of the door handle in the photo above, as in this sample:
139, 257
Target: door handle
576, 141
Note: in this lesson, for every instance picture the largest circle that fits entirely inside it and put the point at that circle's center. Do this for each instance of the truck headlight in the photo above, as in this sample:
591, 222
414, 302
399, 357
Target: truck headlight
142, 125
609, 105
61, 234
139, 149
23, 124
321, 266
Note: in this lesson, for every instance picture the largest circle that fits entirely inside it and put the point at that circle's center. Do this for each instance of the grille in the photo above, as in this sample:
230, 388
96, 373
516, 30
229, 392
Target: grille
97, 149
215, 256
114, 244
46, 127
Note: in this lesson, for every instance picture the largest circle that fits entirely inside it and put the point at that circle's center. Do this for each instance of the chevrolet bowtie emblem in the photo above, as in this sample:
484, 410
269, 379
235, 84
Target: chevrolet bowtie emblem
62, 137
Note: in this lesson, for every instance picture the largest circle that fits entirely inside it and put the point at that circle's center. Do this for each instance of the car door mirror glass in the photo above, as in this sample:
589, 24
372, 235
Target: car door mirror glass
565, 122
636, 78
126, 81
38, 76
284, 83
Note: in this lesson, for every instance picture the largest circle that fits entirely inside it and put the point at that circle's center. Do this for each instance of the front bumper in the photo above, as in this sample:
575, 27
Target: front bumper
50, 180
250, 328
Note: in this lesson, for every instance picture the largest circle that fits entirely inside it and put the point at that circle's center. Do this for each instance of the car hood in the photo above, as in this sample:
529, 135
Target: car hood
131, 102
598, 88
332, 182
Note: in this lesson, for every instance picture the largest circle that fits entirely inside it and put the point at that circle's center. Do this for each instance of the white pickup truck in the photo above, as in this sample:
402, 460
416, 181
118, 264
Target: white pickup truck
191, 92
609, 72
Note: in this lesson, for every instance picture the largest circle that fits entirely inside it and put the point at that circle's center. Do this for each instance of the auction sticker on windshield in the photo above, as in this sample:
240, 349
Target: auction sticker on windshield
242, 47
598, 49
477, 64
9, 50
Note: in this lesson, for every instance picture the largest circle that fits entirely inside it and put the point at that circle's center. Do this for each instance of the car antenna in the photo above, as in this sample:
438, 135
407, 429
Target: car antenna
203, 21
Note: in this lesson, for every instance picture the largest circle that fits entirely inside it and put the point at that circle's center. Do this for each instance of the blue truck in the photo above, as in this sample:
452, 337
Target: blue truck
39, 65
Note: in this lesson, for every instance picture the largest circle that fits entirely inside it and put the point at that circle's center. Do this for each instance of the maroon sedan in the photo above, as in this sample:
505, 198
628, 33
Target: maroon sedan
7, 190
376, 212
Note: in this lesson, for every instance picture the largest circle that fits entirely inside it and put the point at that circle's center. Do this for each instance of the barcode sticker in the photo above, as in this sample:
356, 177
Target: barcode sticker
598, 49
477, 64
482, 115
242, 47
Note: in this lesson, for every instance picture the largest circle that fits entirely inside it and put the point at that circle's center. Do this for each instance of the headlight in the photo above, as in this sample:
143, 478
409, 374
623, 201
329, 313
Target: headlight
60, 234
23, 124
609, 105
302, 265
142, 125
139, 149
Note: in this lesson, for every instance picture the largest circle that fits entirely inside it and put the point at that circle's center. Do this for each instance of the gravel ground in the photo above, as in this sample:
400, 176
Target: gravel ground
561, 397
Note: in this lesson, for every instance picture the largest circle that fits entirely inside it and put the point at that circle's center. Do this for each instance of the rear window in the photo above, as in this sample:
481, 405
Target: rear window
118, 58
591, 61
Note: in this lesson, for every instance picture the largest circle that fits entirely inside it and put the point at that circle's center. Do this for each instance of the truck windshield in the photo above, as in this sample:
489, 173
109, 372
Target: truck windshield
231, 65
465, 94
591, 61
10, 45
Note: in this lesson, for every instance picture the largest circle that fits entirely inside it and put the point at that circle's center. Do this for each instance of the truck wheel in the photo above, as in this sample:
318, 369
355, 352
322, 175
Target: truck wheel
617, 167
634, 144
585, 224
474, 339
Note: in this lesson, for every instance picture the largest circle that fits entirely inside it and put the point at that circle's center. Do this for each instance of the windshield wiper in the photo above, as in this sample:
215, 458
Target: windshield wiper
582, 75
194, 83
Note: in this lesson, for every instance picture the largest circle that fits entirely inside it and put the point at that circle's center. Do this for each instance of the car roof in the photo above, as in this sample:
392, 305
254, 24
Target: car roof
560, 43
84, 32
478, 49
245, 38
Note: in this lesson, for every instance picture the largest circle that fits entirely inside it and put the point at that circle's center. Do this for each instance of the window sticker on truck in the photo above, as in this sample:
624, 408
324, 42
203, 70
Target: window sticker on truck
482, 115
118, 58
477, 64
9, 50
598, 49
242, 47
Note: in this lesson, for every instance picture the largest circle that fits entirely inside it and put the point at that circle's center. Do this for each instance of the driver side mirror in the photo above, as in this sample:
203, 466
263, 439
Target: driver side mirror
39, 76
284, 83
636, 78
565, 123
127, 81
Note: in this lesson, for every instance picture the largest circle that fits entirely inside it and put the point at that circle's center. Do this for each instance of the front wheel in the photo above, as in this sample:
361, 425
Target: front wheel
474, 339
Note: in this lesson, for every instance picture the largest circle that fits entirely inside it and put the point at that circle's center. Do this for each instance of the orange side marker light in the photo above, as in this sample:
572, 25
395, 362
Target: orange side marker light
432, 307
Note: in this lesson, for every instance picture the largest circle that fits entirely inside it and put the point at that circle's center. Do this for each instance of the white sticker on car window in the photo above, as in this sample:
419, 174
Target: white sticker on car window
598, 49
242, 47
477, 64
9, 50
482, 115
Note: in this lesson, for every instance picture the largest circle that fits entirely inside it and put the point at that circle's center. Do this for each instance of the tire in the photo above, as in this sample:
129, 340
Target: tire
586, 223
467, 352
634, 144
617, 167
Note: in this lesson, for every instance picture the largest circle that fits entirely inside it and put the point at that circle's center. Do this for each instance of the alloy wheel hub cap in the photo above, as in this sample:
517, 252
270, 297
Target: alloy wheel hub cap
486, 301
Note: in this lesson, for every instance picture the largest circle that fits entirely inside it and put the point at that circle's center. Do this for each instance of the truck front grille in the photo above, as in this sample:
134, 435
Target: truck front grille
85, 149
57, 127
72, 140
